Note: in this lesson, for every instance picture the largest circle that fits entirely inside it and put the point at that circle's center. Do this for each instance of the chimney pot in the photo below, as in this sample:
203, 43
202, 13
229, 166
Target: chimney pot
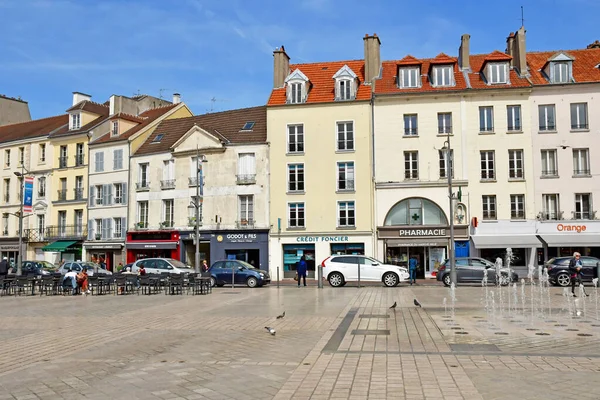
176, 98
464, 52
78, 97
595, 45
372, 54
281, 67
111, 107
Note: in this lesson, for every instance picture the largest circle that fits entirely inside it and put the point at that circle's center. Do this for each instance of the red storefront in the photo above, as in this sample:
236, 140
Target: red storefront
150, 244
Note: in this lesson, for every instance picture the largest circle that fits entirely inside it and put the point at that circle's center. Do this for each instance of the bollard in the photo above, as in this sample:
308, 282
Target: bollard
358, 272
277, 277
320, 276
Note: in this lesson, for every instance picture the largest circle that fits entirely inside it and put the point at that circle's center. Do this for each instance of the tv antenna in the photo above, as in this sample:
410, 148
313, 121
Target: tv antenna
213, 101
522, 17
160, 93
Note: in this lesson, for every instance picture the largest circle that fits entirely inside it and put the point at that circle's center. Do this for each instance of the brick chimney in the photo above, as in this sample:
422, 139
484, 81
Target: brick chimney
372, 57
519, 52
510, 47
463, 52
78, 97
595, 45
281, 67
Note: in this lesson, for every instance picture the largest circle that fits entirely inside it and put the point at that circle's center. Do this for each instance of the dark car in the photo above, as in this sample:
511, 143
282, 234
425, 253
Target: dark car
36, 268
558, 270
221, 273
472, 269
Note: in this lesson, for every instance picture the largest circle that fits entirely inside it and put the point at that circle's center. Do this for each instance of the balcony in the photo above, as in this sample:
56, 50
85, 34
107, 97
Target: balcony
51, 233
78, 193
550, 216
547, 173
584, 214
62, 195
245, 224
246, 179
79, 160
167, 184
142, 186
62, 162
192, 221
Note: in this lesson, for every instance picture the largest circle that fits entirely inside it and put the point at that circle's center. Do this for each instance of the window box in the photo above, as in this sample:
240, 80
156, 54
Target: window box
246, 179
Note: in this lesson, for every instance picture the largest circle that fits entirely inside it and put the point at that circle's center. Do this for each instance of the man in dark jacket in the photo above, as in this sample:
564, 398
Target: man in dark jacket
575, 267
3, 267
301, 269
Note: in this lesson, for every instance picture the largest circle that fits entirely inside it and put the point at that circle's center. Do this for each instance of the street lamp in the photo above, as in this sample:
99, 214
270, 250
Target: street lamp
21, 176
196, 205
449, 166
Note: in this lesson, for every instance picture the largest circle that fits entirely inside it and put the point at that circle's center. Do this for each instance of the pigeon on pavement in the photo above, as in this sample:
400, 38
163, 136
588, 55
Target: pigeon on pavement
281, 316
270, 330
394, 305
417, 303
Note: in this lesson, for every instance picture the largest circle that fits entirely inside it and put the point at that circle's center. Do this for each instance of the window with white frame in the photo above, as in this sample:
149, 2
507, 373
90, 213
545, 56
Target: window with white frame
246, 209
78, 222
296, 215
246, 166
488, 168
98, 229
551, 206
513, 116
7, 158
443, 154
5, 224
99, 195
6, 196
168, 210
345, 136
21, 160
41, 225
75, 121
497, 72
296, 92
41, 187
346, 214
345, 179
549, 163
115, 128
296, 177
411, 165
345, 89
561, 72
142, 214
486, 119
517, 206
489, 207
143, 176
117, 228
410, 125
42, 152
579, 119
444, 123
583, 206
515, 164
410, 77
296, 138
547, 119
442, 75
62, 223
118, 190
581, 162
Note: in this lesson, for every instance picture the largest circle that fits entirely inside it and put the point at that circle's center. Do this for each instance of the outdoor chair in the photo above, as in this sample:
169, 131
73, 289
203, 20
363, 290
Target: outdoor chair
175, 284
23, 284
47, 285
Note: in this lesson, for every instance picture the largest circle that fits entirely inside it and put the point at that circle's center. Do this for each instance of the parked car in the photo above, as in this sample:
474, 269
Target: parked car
78, 266
471, 270
339, 269
221, 273
558, 270
36, 268
161, 265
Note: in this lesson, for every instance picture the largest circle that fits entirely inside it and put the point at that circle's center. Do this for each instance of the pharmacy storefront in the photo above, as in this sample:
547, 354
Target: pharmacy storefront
286, 251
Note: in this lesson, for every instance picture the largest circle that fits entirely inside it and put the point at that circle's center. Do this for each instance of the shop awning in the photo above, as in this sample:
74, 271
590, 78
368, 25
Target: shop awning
502, 241
60, 245
434, 242
572, 239
151, 245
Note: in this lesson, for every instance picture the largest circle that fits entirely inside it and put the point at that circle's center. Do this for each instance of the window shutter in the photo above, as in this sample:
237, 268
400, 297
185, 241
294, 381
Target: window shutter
105, 228
116, 159
92, 199
90, 229
101, 162
120, 159
337, 90
96, 161
109, 197
124, 193
123, 227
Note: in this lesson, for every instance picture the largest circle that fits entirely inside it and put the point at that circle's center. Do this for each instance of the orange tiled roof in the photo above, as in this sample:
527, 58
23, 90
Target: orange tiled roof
585, 65
410, 60
443, 59
127, 117
90, 106
476, 80
31, 129
322, 88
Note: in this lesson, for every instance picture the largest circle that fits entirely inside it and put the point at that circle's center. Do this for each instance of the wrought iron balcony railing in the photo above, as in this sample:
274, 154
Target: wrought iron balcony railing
245, 224
78, 193
62, 195
62, 162
50, 233
79, 160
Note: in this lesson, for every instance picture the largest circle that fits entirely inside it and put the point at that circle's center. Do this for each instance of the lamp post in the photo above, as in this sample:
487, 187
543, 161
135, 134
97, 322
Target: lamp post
449, 167
196, 205
21, 176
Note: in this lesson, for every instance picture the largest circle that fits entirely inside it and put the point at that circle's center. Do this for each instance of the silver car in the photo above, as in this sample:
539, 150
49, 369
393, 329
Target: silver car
78, 266
162, 265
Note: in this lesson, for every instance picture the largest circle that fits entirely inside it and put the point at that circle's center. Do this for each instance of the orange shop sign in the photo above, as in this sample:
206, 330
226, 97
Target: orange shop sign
570, 228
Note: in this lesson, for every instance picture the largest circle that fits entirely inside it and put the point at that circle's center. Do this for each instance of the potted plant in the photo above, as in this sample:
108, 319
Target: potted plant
141, 225
98, 236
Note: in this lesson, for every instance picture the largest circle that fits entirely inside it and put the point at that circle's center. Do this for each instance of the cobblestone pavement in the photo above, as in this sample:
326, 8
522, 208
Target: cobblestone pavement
332, 344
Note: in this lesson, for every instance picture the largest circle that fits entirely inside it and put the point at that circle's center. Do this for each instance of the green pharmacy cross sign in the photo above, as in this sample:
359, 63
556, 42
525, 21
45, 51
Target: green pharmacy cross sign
415, 217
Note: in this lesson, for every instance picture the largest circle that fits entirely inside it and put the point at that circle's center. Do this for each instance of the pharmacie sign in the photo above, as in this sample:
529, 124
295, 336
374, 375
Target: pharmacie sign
422, 232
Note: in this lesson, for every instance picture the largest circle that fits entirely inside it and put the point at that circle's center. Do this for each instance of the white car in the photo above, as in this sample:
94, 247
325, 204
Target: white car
162, 265
339, 269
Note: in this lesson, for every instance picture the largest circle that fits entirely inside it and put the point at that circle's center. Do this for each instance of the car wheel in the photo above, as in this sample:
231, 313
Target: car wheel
504, 281
252, 282
213, 281
563, 279
446, 280
390, 279
336, 279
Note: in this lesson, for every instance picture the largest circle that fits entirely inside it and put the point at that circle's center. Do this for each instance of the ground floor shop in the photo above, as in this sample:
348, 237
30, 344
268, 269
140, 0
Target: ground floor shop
428, 245
152, 244
287, 251
563, 238
10, 250
111, 254
59, 250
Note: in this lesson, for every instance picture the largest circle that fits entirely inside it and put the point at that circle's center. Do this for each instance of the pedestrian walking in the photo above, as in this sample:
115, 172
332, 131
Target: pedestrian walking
301, 270
413, 263
575, 267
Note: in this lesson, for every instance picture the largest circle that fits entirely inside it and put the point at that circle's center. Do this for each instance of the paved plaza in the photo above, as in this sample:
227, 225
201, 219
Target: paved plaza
342, 343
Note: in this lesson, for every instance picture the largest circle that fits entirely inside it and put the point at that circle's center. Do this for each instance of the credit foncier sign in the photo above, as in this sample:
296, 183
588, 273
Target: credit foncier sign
423, 232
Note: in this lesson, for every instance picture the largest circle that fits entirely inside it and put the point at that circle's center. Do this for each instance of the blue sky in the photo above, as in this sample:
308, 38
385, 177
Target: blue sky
222, 49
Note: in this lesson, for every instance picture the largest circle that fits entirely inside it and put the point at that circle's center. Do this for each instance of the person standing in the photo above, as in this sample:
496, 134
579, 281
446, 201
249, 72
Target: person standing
412, 269
204, 266
301, 270
575, 267
3, 267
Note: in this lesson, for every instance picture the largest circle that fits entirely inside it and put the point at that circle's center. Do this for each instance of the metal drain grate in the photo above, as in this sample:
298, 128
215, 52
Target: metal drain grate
373, 316
479, 347
371, 332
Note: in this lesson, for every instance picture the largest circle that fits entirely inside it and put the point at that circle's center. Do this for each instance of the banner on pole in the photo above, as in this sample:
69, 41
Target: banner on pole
28, 194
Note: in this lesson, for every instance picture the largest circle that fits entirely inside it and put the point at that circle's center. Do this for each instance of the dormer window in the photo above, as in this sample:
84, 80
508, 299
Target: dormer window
296, 90
443, 75
497, 73
345, 84
560, 72
409, 77
296, 87
75, 121
115, 128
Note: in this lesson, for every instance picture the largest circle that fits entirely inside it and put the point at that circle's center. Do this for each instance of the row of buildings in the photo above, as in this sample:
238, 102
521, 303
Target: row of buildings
346, 157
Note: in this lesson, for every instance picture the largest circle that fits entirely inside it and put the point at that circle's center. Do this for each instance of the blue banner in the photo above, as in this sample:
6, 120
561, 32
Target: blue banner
28, 195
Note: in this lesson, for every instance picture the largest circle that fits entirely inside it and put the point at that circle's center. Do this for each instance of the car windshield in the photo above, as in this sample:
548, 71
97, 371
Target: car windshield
90, 265
178, 264
245, 264
47, 266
